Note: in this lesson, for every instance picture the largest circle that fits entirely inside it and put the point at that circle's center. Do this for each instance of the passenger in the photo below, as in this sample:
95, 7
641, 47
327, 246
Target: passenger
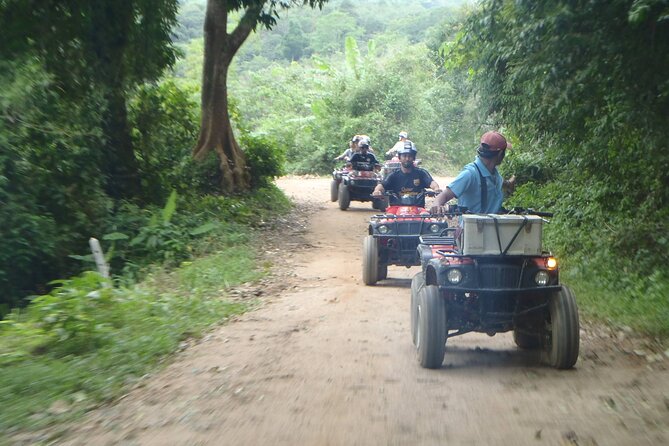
409, 179
479, 185
399, 145
352, 148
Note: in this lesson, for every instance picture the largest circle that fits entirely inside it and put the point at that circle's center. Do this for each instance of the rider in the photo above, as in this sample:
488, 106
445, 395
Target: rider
364, 156
408, 179
399, 145
479, 185
352, 148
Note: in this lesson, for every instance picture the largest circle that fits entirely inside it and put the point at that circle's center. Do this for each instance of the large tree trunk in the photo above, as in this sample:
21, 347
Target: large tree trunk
216, 129
120, 162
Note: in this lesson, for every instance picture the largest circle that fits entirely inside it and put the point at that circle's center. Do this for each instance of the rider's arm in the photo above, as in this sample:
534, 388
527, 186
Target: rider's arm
343, 155
444, 197
378, 190
434, 186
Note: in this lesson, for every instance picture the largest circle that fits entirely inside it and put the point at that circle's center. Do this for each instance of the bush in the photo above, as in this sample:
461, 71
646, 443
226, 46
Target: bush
264, 158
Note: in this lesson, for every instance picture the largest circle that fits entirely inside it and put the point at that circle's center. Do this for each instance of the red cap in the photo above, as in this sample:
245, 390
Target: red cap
495, 141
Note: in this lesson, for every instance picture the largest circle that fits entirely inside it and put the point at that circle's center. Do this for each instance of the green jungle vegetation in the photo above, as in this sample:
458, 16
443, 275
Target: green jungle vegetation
97, 127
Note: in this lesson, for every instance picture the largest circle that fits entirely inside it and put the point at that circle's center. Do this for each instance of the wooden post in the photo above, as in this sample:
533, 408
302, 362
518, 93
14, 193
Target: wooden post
103, 267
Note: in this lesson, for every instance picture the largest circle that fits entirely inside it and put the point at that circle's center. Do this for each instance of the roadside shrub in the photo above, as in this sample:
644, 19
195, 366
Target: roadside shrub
265, 159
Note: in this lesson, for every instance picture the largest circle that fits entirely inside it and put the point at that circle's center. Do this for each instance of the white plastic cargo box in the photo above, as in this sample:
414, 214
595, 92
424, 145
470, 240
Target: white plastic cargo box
480, 234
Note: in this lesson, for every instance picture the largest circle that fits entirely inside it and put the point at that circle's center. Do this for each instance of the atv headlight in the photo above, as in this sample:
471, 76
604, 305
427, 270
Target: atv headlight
383, 229
434, 228
551, 263
454, 276
541, 278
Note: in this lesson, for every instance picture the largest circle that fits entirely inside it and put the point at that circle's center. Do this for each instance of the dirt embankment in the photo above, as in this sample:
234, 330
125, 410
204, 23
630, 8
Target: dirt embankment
329, 361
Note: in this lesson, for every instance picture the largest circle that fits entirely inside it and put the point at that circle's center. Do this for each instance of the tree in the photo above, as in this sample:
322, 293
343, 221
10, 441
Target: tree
105, 47
220, 46
584, 85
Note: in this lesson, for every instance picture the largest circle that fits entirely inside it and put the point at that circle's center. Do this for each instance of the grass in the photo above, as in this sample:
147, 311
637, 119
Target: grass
639, 303
86, 342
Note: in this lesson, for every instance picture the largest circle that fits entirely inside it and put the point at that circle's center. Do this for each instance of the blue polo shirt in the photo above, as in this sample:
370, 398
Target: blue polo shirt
467, 188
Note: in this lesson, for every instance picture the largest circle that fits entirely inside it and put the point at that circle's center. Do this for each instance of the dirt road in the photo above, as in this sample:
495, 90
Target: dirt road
330, 361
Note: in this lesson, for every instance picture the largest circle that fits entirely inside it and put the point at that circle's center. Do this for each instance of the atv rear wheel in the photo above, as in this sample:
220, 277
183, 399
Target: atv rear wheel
334, 191
562, 336
370, 260
344, 196
432, 332
417, 283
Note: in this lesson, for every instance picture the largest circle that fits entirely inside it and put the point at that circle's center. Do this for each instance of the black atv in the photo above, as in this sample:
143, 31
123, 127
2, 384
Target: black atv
355, 182
489, 274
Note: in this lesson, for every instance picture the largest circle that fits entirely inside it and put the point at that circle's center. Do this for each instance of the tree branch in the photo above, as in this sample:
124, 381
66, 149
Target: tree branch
247, 24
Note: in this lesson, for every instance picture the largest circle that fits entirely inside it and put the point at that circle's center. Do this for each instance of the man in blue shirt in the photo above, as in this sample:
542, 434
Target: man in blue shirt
479, 186
408, 179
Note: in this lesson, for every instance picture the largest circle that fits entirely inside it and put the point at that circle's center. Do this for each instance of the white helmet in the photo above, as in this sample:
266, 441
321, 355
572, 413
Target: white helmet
403, 135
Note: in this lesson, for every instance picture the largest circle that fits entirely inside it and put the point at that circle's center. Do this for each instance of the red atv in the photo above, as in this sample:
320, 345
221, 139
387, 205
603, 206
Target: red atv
394, 236
489, 274
355, 182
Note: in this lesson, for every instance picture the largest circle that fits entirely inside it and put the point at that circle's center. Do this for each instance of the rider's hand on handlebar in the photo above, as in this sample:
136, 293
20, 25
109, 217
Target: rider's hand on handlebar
439, 209
377, 193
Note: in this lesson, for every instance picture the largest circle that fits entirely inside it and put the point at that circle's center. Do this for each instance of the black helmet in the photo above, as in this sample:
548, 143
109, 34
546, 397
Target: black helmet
409, 148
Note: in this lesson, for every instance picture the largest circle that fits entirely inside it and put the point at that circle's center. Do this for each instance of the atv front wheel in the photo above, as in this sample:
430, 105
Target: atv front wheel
432, 332
562, 337
370, 260
416, 284
344, 196
380, 205
527, 341
334, 191
382, 271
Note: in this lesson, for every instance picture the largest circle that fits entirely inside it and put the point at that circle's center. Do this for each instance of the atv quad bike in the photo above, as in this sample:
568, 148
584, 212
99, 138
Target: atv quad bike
355, 182
489, 274
394, 236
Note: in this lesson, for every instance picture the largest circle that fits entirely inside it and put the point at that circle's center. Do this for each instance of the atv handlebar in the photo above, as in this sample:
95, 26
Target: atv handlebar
427, 192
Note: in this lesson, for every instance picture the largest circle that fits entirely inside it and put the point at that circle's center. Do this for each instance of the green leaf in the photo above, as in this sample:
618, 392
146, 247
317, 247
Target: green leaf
170, 207
115, 236
207, 227
352, 55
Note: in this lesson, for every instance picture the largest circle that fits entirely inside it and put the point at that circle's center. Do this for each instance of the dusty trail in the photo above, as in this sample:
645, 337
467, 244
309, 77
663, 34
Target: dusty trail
330, 362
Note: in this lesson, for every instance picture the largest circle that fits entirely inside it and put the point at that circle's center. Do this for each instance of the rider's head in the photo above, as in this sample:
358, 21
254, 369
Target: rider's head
403, 136
407, 154
493, 146
363, 145
355, 141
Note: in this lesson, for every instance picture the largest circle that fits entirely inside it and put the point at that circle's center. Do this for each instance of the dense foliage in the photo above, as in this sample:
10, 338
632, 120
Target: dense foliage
94, 138
583, 88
